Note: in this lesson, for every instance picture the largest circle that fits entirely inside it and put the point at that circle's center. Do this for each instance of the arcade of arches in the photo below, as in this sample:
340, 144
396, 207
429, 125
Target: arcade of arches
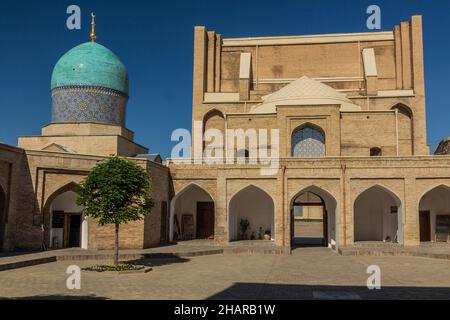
378, 215
2, 215
349, 151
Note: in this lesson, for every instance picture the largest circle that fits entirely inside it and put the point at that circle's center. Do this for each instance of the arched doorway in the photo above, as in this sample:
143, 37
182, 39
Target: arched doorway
192, 214
68, 227
2, 216
434, 214
313, 218
378, 216
255, 206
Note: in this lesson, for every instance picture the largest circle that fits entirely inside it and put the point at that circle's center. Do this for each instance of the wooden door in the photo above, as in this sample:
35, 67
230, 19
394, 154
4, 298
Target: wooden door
66, 231
205, 220
325, 227
72, 230
425, 226
75, 230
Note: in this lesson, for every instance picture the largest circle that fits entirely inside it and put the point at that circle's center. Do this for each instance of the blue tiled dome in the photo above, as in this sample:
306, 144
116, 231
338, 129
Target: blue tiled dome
90, 64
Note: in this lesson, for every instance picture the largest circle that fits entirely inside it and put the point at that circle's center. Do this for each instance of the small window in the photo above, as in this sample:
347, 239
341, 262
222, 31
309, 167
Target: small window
375, 152
58, 219
242, 153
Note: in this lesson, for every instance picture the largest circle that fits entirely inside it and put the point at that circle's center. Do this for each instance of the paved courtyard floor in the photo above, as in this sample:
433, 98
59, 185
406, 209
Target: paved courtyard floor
306, 274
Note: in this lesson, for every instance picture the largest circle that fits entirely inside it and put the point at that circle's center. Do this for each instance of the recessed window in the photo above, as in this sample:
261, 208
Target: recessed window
308, 142
375, 152
242, 153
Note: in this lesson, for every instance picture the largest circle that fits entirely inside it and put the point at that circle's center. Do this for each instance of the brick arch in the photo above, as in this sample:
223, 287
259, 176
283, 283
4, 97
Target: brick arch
71, 186
213, 119
431, 189
268, 220
248, 186
403, 107
434, 202
173, 202
330, 214
316, 190
405, 124
381, 186
379, 234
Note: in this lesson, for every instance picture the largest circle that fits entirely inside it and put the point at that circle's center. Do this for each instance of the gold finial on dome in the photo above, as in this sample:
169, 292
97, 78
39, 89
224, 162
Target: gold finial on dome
93, 36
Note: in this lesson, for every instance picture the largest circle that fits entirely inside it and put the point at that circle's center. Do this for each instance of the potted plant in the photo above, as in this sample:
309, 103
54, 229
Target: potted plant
267, 235
244, 224
260, 233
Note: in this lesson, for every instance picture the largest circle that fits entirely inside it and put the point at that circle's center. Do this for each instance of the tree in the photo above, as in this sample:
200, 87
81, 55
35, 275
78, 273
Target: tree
116, 191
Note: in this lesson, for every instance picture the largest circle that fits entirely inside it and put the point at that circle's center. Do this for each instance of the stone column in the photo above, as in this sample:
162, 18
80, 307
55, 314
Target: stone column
410, 217
221, 224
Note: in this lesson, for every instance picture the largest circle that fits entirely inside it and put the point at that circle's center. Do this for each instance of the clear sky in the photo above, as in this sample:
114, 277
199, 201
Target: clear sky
155, 41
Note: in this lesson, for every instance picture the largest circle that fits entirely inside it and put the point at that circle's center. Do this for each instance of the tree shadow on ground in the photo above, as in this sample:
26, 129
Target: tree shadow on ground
57, 297
157, 260
269, 291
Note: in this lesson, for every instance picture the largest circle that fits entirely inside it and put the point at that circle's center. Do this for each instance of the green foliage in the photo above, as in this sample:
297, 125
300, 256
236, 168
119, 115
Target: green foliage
116, 191
244, 224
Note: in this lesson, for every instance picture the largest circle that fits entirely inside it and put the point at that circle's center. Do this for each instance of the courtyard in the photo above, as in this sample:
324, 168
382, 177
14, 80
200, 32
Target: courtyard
309, 273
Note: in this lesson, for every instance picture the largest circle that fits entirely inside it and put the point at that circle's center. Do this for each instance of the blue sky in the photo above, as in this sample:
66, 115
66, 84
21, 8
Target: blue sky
155, 41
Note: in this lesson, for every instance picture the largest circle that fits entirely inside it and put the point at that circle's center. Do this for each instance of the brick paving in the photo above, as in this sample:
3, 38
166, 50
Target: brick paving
306, 274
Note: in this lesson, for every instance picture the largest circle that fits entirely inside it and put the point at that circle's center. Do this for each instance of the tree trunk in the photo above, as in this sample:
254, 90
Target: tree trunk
116, 246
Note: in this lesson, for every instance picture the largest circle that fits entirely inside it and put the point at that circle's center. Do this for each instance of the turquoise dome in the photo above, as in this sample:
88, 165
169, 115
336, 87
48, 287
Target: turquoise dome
90, 64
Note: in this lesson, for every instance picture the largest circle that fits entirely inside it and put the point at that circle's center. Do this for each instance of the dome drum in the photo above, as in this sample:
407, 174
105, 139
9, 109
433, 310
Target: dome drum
88, 104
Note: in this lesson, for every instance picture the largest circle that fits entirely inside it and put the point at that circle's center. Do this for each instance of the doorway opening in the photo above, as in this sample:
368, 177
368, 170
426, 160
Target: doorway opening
309, 221
434, 215
192, 215
68, 226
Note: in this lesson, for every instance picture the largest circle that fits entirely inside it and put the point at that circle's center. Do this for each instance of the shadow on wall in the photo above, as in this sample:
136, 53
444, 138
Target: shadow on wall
23, 212
269, 291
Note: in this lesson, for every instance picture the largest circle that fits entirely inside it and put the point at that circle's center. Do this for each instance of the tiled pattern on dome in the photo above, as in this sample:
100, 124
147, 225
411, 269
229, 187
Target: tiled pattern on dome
308, 143
88, 104
90, 64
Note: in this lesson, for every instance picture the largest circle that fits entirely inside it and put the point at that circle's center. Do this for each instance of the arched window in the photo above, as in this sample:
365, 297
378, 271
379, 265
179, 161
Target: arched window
308, 142
405, 129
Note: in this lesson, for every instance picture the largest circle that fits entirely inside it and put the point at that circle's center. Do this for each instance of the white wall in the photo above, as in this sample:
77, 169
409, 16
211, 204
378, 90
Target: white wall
256, 206
66, 202
437, 201
186, 203
373, 218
